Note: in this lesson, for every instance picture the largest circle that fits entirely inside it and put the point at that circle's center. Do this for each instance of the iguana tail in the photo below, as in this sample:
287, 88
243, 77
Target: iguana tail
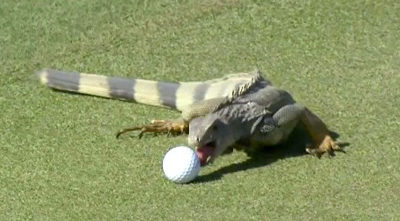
166, 94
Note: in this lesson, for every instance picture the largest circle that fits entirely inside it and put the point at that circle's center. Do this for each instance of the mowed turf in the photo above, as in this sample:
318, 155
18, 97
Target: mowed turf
59, 159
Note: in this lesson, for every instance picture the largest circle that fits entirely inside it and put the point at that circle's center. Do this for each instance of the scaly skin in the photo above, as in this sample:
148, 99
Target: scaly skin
263, 116
217, 113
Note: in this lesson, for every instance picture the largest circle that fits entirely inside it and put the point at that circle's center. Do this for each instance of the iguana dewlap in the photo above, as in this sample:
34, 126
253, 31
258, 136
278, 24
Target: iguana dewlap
218, 114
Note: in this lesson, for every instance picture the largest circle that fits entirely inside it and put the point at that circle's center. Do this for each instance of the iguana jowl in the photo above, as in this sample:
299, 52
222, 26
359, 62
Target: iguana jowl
217, 114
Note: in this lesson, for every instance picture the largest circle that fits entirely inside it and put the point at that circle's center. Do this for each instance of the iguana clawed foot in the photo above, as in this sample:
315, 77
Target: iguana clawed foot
159, 126
326, 145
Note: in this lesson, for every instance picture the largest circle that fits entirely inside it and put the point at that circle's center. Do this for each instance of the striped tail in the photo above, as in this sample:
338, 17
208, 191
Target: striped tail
165, 94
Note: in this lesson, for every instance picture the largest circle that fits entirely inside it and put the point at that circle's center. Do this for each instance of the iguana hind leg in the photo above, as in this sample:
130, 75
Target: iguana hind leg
174, 127
322, 141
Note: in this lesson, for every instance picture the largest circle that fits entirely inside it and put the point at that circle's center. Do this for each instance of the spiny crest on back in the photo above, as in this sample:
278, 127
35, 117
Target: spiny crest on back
256, 76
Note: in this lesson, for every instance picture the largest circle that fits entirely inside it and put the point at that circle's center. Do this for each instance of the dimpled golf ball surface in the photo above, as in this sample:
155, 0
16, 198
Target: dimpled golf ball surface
181, 164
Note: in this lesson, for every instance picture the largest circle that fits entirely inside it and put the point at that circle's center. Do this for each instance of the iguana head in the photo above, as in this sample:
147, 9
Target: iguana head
211, 136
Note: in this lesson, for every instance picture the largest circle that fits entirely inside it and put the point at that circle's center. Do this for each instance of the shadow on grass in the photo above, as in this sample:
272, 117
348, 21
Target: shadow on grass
294, 147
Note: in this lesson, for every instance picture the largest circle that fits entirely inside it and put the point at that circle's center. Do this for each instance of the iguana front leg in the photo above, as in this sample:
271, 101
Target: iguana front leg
178, 126
322, 141
175, 127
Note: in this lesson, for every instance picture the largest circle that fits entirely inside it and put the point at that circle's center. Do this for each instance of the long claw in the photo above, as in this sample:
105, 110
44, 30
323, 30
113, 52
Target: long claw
159, 126
125, 130
314, 151
326, 145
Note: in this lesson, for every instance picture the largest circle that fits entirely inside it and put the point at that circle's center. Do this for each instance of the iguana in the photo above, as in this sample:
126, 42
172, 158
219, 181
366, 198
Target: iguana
237, 110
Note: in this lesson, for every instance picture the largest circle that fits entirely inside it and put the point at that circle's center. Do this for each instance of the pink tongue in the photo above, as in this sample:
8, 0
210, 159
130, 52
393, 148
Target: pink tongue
203, 153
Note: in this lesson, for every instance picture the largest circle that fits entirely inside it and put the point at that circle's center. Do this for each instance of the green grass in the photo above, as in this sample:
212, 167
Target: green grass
58, 155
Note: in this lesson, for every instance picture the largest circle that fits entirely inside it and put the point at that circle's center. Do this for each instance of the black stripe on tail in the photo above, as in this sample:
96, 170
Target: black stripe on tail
200, 92
167, 92
63, 80
121, 87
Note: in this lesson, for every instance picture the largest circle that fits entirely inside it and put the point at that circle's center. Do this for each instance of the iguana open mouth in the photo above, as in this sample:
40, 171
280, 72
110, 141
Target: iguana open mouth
204, 152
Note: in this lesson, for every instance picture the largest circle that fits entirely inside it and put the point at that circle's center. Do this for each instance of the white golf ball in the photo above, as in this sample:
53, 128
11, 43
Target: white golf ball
181, 164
